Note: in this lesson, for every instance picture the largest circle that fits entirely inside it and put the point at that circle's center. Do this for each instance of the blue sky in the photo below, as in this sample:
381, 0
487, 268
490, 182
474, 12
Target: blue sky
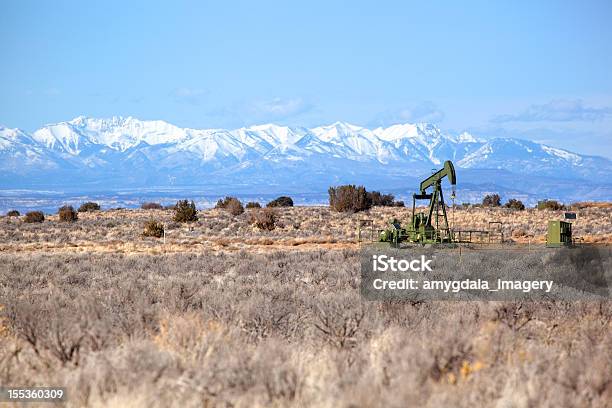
532, 69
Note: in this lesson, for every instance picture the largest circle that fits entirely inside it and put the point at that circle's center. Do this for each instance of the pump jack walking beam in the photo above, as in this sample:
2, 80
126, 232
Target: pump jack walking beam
437, 197
447, 171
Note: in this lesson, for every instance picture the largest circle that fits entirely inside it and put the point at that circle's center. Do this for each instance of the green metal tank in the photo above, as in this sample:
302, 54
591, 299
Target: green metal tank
559, 234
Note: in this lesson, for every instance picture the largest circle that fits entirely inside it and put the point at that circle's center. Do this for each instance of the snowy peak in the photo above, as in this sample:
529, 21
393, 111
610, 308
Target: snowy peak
396, 132
16, 135
345, 140
18, 150
466, 137
60, 137
11, 137
130, 149
117, 133
526, 157
268, 136
563, 154
86, 136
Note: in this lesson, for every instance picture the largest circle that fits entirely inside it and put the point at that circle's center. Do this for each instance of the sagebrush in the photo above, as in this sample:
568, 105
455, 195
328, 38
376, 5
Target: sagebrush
34, 216
231, 205
491, 200
282, 201
283, 329
89, 206
264, 218
153, 228
515, 204
67, 214
152, 206
185, 211
550, 205
349, 198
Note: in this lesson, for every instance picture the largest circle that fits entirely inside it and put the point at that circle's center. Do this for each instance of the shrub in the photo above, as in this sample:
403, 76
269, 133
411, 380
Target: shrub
349, 198
67, 214
252, 204
264, 219
282, 201
89, 206
515, 204
13, 213
185, 211
235, 207
589, 204
34, 216
153, 228
491, 200
152, 206
550, 205
230, 204
222, 203
381, 200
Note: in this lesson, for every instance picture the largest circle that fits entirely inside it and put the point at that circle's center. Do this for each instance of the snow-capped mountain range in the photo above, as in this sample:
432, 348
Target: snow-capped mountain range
92, 153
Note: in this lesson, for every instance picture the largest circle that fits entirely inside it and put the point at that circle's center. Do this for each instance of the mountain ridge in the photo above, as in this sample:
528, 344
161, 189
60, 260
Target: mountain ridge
127, 152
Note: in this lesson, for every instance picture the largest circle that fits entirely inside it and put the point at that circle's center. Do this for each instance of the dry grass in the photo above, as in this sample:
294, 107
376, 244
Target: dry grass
227, 314
296, 228
591, 204
283, 329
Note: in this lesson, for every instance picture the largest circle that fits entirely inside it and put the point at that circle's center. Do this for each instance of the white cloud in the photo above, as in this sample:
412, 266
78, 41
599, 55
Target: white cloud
424, 112
191, 96
559, 110
278, 108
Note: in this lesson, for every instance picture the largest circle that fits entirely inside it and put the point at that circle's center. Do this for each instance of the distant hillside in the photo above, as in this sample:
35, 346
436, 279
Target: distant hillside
88, 154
